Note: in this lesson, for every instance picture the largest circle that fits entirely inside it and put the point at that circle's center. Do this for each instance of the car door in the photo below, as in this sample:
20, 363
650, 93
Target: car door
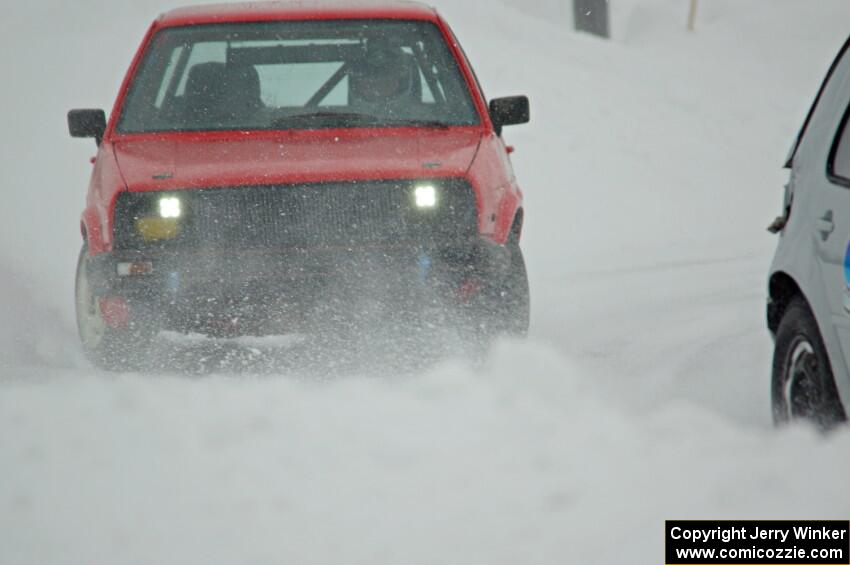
829, 175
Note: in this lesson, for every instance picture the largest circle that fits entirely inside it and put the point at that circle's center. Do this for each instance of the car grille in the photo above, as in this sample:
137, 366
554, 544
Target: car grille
305, 216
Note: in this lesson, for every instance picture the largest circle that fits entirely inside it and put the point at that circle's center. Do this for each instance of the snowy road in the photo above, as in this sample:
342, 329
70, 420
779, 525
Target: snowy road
650, 172
658, 334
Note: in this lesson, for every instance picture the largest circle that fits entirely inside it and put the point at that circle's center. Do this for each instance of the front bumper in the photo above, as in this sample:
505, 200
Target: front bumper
279, 291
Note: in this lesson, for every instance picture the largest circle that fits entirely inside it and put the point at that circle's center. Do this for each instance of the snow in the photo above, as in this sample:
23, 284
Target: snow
651, 170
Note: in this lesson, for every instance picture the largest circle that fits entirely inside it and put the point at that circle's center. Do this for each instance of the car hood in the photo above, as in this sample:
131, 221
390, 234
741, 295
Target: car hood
186, 161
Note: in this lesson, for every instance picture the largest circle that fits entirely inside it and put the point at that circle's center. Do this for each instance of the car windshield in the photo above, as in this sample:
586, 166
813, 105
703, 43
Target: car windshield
297, 75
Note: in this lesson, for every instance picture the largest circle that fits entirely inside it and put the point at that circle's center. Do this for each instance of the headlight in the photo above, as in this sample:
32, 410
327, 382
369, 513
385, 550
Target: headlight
163, 220
170, 207
425, 196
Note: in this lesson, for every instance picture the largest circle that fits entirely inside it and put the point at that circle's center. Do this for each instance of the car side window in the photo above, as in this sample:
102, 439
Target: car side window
293, 85
169, 76
839, 165
204, 52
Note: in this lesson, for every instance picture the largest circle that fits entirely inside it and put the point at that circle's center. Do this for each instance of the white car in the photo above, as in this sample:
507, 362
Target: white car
808, 309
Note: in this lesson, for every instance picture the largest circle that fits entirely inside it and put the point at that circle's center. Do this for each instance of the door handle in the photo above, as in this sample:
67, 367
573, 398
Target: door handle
825, 225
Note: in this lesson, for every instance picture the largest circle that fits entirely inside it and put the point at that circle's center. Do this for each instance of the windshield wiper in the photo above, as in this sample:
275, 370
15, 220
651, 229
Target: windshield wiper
416, 123
324, 117
354, 118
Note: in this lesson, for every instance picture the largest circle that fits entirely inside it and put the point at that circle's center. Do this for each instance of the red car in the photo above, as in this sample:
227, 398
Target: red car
284, 167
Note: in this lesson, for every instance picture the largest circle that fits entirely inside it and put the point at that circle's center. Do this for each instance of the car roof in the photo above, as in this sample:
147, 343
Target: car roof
297, 10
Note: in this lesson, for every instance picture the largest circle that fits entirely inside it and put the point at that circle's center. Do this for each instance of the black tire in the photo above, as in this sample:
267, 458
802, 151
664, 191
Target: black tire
513, 298
803, 386
502, 308
105, 347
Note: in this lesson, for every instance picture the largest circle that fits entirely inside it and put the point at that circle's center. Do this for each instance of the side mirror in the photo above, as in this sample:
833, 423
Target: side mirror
509, 112
87, 123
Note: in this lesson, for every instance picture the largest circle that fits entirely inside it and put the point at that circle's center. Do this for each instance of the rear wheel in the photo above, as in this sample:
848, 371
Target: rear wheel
105, 346
803, 386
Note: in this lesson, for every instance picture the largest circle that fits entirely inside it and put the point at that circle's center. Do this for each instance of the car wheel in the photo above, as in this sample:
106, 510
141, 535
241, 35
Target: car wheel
106, 347
803, 387
513, 302
502, 309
